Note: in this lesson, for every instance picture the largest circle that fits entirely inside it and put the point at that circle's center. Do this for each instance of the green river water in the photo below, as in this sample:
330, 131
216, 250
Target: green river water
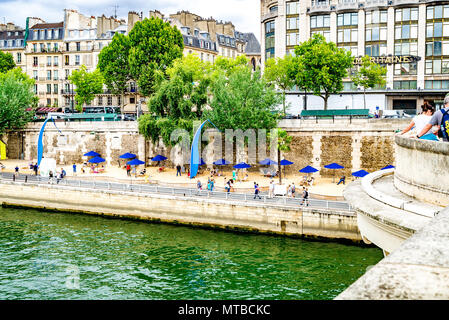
68, 256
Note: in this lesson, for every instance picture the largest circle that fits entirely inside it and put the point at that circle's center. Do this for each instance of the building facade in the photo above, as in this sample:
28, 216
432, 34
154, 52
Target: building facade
409, 37
12, 40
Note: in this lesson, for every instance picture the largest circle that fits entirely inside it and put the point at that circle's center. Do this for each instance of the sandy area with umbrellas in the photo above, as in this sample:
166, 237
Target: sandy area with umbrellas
321, 186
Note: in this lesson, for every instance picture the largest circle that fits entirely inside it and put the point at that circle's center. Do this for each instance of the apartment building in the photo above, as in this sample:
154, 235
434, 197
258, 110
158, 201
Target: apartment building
12, 40
409, 37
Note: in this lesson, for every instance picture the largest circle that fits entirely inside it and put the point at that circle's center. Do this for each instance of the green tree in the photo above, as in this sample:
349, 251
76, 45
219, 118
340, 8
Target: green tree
16, 96
185, 92
296, 72
113, 62
369, 75
154, 46
277, 72
6, 62
283, 145
88, 84
324, 65
242, 101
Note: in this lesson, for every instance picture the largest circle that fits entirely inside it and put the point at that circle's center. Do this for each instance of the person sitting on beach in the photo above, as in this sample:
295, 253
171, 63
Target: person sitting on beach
342, 179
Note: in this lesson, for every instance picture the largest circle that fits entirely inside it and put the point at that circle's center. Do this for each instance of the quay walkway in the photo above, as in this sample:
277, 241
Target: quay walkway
179, 191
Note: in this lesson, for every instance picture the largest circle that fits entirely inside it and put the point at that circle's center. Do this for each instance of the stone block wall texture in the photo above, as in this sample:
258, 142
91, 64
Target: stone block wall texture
377, 152
301, 153
336, 148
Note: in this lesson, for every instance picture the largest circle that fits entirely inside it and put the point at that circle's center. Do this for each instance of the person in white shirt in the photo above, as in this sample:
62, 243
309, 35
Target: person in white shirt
419, 121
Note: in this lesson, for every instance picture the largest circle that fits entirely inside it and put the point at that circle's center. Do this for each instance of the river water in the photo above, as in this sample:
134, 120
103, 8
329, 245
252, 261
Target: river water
69, 256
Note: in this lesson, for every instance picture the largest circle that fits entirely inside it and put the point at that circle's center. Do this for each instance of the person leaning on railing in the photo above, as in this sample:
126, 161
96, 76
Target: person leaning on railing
419, 121
440, 119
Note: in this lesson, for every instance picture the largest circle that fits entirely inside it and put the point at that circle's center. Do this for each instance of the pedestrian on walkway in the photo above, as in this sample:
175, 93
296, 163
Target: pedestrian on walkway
178, 170
342, 179
74, 169
305, 197
293, 189
50, 177
128, 170
256, 191
289, 191
35, 168
271, 189
16, 170
199, 187
212, 185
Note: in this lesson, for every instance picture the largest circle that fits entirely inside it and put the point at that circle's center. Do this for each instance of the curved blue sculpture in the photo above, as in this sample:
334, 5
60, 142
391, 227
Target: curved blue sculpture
40, 146
195, 153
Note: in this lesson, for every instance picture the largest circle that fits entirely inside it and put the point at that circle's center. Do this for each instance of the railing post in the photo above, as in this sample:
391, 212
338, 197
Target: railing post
285, 200
327, 204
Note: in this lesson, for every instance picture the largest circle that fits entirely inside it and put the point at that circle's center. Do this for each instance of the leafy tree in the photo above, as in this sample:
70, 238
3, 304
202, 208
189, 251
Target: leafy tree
296, 72
152, 128
113, 62
88, 84
324, 65
242, 101
185, 92
6, 62
277, 73
369, 75
16, 96
283, 145
229, 65
154, 46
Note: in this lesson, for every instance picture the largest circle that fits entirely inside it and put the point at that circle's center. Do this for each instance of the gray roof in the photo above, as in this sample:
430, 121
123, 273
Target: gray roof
253, 45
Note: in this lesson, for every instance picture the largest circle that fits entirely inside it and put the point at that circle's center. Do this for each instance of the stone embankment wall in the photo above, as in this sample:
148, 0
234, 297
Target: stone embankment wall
357, 144
213, 213
423, 170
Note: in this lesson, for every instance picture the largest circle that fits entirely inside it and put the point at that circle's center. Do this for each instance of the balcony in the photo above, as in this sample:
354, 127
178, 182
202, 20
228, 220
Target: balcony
377, 3
347, 5
269, 15
400, 2
319, 6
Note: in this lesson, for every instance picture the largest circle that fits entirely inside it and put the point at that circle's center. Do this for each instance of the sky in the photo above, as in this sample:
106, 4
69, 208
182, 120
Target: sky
244, 14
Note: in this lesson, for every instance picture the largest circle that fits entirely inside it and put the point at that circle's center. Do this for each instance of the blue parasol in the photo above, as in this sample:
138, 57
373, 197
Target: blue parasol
221, 162
242, 165
159, 158
308, 169
267, 162
286, 163
360, 173
96, 160
334, 166
135, 162
202, 162
127, 156
91, 154
388, 167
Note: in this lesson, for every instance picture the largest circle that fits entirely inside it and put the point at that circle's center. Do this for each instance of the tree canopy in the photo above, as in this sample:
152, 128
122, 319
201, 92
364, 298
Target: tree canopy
113, 62
369, 75
16, 96
321, 66
88, 84
277, 73
6, 62
154, 46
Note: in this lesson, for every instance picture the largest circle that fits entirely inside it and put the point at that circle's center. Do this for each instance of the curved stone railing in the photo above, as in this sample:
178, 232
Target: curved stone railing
422, 169
399, 203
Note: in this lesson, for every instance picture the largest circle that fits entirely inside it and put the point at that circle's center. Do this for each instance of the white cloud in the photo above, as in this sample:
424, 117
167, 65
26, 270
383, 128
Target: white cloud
244, 14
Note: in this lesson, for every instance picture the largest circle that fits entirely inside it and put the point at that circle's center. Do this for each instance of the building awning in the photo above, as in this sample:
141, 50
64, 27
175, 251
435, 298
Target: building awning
46, 110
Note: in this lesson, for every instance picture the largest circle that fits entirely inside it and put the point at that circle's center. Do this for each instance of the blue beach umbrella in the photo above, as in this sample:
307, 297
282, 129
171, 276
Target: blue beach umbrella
202, 162
159, 158
127, 156
360, 173
286, 163
334, 166
135, 162
96, 160
308, 169
91, 154
221, 162
267, 162
242, 165
388, 167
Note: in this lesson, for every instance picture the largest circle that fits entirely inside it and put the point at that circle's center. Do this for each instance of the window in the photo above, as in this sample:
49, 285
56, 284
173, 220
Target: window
67, 60
322, 21
55, 75
35, 75
34, 47
406, 14
48, 61
55, 88
67, 73
78, 46
35, 61
132, 100
274, 9
292, 7
48, 75
48, 102
347, 35
292, 39
292, 23
48, 88
375, 50
19, 57
437, 66
77, 60
55, 61
100, 101
437, 84
109, 100
55, 47
269, 40
405, 68
376, 17
347, 19
404, 85
67, 46
119, 100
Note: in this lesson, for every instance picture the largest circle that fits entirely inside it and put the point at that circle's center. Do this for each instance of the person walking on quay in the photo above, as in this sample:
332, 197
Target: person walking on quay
199, 187
16, 170
128, 170
50, 177
342, 179
178, 170
74, 169
271, 189
305, 197
293, 189
35, 167
212, 185
289, 191
256, 191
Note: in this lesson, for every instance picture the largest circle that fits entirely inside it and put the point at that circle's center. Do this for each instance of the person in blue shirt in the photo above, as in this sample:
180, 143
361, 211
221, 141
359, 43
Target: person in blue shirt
74, 169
